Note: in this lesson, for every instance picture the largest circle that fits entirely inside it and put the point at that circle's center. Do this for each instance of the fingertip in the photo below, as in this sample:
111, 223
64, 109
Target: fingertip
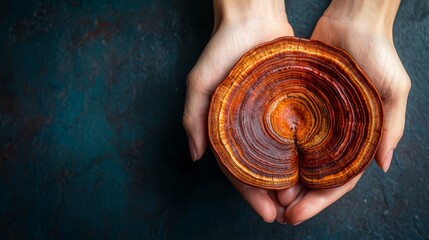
195, 121
200, 143
192, 149
286, 196
299, 211
268, 219
384, 154
260, 201
387, 161
265, 208
384, 159
296, 210
196, 130
280, 210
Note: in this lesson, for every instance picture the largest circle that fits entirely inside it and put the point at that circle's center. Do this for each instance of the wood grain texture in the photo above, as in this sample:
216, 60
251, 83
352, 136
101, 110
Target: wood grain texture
295, 110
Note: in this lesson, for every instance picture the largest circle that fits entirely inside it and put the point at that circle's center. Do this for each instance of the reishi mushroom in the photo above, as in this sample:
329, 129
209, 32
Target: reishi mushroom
295, 110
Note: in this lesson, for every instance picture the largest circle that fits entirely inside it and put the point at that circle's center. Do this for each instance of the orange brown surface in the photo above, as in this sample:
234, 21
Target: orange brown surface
295, 110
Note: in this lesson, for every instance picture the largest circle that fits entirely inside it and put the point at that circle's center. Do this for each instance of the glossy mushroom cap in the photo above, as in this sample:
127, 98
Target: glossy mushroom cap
295, 110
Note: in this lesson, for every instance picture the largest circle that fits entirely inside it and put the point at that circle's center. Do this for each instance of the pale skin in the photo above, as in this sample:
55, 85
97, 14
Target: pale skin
361, 27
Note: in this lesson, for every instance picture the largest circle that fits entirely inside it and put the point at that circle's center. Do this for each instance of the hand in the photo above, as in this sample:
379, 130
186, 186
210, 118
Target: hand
367, 37
239, 26
365, 32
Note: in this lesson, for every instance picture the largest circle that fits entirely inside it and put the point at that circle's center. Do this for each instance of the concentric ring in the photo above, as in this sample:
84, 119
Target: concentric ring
295, 110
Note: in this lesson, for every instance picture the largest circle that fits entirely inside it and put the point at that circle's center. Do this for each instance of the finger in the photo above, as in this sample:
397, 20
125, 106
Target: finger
286, 196
394, 121
195, 118
260, 200
314, 201
280, 210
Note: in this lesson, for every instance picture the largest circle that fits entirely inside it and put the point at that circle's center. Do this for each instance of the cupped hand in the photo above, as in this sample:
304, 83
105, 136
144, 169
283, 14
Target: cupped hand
371, 45
375, 53
229, 42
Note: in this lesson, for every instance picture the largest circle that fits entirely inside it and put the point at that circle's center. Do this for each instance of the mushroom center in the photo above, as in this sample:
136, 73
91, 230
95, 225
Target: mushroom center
291, 119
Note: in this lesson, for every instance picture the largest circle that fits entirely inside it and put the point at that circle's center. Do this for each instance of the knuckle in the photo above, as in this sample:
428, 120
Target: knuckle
404, 84
186, 120
406, 87
397, 136
191, 78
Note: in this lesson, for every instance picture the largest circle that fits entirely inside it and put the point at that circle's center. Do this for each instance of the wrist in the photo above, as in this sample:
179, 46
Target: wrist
240, 11
377, 15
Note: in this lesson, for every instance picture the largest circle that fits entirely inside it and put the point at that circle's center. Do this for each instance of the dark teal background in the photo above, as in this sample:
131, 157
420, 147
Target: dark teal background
91, 142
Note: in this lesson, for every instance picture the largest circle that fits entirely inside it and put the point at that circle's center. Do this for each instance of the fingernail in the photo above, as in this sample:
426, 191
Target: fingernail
297, 223
267, 221
192, 149
387, 161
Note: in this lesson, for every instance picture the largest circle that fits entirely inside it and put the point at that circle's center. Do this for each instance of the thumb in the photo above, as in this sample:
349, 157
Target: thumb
394, 121
195, 117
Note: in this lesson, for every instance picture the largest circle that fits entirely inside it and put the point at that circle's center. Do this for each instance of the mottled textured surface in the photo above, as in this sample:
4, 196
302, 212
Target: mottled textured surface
91, 143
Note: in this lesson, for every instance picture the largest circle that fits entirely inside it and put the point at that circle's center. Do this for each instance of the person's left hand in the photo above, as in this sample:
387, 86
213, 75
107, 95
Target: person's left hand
368, 39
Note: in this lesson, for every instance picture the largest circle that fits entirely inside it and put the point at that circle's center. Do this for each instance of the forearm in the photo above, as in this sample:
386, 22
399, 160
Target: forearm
378, 14
248, 10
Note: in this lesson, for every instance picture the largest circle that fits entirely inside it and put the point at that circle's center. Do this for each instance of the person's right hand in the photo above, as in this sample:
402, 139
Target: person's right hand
240, 25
